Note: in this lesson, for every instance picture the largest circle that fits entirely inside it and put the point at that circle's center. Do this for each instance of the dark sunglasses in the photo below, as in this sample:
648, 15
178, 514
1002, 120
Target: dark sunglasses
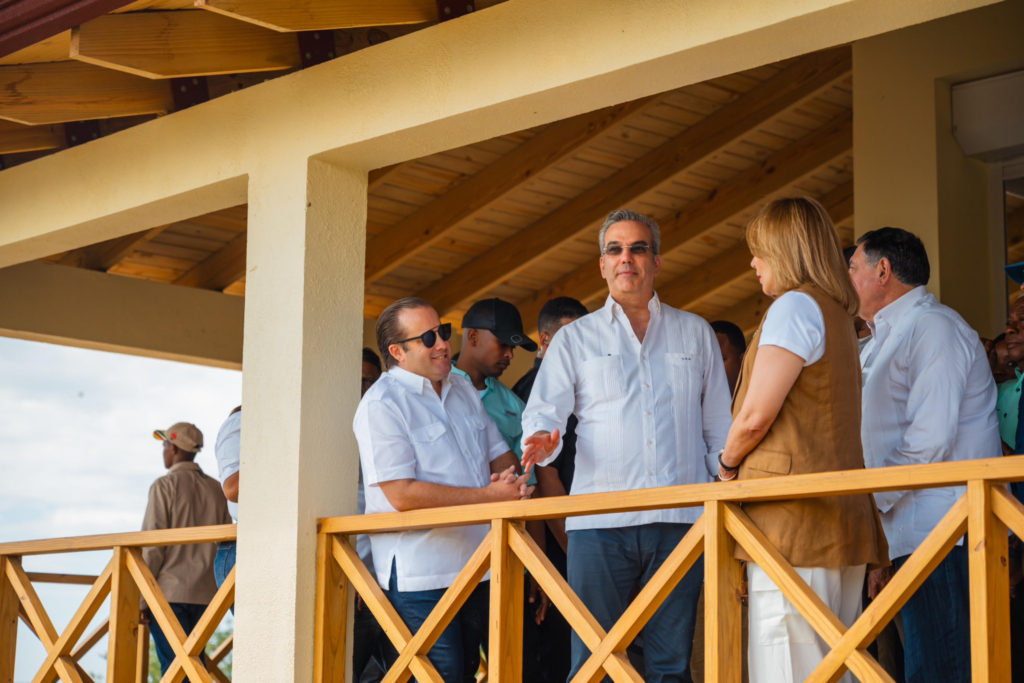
636, 249
429, 338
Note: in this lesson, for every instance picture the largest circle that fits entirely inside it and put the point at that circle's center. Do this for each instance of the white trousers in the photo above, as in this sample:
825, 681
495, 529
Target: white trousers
783, 647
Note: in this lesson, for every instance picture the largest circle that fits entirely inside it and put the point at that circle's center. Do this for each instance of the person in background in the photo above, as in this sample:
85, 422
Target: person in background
734, 345
646, 382
184, 497
369, 642
796, 410
546, 656
426, 441
228, 450
928, 397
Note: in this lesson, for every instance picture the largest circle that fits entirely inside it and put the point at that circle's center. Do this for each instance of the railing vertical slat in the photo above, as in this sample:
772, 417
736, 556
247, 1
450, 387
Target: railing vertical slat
505, 653
142, 656
722, 587
125, 599
331, 615
9, 609
987, 537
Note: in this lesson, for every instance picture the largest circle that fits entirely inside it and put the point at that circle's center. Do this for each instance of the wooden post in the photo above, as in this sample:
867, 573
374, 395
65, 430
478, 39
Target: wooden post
990, 587
723, 656
142, 656
331, 615
9, 604
125, 602
505, 654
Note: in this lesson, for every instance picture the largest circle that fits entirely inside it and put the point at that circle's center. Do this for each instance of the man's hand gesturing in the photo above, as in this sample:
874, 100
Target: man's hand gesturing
538, 447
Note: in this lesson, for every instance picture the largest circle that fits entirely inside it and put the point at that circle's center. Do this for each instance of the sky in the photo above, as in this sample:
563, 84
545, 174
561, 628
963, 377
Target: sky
77, 456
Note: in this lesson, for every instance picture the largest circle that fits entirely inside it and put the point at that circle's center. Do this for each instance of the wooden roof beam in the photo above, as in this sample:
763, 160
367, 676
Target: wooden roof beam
221, 269
748, 313
797, 82
182, 44
748, 188
17, 137
58, 92
311, 15
428, 225
105, 255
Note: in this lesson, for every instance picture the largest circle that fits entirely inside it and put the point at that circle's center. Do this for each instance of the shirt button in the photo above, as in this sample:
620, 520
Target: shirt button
648, 413
465, 451
649, 442
646, 385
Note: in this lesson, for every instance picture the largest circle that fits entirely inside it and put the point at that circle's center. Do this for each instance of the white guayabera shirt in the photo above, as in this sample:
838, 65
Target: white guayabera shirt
928, 397
650, 414
406, 431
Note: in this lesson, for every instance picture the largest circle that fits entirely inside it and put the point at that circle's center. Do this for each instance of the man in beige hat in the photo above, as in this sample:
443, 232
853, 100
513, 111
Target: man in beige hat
184, 497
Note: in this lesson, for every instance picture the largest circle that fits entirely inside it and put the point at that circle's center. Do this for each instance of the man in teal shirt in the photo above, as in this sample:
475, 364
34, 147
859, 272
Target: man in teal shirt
491, 330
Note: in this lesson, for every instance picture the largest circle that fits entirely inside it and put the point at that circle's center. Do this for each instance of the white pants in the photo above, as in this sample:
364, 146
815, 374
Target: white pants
783, 647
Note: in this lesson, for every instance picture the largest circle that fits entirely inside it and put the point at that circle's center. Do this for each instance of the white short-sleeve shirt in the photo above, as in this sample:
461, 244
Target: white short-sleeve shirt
795, 323
229, 453
406, 431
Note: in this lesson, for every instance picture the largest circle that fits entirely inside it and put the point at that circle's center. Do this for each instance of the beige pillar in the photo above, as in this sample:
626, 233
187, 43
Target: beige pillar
303, 334
910, 172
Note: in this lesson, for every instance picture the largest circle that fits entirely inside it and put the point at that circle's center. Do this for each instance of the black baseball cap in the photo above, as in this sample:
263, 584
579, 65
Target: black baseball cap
502, 319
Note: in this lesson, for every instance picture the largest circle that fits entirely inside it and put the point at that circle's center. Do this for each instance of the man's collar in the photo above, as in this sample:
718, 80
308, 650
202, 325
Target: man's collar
411, 380
186, 465
613, 308
892, 313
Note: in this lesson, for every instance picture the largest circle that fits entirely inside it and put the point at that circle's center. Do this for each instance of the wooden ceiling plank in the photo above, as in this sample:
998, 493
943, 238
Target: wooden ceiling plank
39, 94
747, 314
698, 143
312, 15
17, 137
105, 255
222, 269
54, 49
737, 196
182, 44
431, 223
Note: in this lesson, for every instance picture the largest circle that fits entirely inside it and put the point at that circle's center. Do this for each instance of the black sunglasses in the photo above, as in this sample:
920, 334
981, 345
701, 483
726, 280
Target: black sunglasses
429, 338
636, 249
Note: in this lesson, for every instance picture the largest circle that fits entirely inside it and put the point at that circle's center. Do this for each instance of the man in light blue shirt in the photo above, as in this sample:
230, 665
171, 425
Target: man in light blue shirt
928, 397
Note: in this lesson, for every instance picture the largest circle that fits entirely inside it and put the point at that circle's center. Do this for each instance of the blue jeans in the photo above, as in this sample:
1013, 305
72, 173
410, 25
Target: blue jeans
188, 616
937, 624
224, 563
605, 565
456, 654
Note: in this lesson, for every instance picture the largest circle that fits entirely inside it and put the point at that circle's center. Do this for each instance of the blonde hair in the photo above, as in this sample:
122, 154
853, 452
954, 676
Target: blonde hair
796, 237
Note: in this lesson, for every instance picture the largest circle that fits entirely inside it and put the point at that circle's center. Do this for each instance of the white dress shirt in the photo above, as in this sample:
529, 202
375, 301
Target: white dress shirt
650, 414
228, 450
405, 431
928, 397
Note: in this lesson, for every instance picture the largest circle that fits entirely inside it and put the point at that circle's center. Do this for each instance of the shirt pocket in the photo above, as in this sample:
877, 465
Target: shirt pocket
604, 378
476, 428
434, 453
685, 377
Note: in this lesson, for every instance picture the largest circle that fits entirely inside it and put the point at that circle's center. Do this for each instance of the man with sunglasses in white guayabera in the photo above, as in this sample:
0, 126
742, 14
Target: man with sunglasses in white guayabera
649, 389
425, 441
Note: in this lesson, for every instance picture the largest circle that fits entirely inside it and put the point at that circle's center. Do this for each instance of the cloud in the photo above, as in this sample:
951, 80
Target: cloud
77, 455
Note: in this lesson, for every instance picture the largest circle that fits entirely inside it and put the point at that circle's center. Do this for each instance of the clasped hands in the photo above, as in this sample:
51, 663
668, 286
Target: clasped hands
510, 486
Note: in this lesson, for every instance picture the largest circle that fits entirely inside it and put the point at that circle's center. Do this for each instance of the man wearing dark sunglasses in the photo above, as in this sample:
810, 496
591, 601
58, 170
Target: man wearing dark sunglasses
426, 441
648, 387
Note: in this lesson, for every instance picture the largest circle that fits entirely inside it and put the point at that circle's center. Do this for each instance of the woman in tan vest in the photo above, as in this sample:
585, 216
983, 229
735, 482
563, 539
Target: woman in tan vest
796, 410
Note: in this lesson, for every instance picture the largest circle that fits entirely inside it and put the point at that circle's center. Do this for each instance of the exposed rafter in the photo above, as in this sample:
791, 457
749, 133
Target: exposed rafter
748, 188
27, 22
105, 255
182, 43
797, 82
59, 92
431, 223
311, 15
221, 269
17, 137
747, 314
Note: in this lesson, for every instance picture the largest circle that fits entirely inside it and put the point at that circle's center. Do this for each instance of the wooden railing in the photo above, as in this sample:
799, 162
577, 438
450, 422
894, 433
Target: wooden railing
125, 579
985, 513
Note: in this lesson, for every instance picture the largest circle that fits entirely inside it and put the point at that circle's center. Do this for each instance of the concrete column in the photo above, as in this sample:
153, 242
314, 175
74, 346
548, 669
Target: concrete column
910, 172
303, 334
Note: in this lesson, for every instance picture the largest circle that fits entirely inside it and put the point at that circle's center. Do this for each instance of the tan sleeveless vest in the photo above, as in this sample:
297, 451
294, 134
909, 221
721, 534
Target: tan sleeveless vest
817, 430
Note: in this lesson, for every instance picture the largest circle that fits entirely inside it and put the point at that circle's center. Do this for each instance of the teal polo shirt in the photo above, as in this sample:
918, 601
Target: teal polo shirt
1007, 408
506, 409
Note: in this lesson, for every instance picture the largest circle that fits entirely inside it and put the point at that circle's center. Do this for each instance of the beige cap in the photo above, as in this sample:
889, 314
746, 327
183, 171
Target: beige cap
184, 435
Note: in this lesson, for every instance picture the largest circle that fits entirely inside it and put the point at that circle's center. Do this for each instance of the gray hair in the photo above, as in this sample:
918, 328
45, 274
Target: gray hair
627, 215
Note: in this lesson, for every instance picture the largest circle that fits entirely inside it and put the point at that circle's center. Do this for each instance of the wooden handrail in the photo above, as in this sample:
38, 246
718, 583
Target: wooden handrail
72, 579
1010, 468
133, 539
